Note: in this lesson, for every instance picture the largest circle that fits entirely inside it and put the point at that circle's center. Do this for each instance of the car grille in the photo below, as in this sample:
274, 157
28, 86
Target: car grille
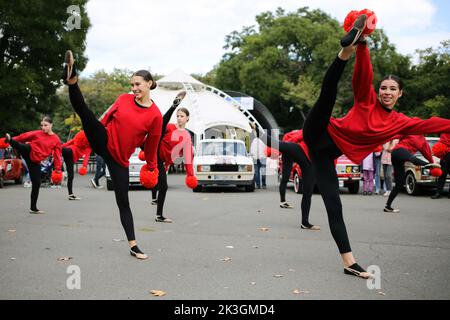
224, 167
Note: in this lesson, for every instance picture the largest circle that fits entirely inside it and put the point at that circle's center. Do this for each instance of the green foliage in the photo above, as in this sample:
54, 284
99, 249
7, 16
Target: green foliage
34, 38
100, 90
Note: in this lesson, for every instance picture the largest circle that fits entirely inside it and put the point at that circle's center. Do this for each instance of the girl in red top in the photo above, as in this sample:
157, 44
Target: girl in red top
404, 151
133, 120
35, 146
73, 150
442, 150
369, 123
176, 142
293, 149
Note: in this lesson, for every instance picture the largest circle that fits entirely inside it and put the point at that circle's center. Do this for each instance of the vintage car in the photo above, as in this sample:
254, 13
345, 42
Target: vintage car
418, 178
219, 162
11, 168
349, 175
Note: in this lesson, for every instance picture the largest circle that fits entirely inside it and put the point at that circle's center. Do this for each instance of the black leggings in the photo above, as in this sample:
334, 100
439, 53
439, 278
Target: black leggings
445, 166
323, 151
292, 152
399, 157
160, 191
98, 139
68, 160
34, 170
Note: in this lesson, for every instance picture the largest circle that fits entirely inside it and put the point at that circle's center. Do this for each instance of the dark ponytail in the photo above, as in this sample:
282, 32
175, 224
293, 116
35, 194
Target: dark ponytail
395, 78
147, 76
48, 119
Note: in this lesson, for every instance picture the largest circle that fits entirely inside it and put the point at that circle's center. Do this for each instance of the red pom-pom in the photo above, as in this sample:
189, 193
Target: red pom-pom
436, 172
440, 149
141, 156
191, 182
82, 171
370, 24
56, 177
269, 152
149, 179
81, 141
350, 19
3, 144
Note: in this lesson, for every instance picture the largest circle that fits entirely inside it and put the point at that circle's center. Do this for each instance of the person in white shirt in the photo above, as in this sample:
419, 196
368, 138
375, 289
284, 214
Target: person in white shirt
259, 158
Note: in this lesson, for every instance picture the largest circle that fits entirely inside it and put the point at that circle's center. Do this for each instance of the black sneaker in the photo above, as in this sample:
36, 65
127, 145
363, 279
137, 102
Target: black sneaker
436, 196
74, 197
354, 35
154, 202
36, 211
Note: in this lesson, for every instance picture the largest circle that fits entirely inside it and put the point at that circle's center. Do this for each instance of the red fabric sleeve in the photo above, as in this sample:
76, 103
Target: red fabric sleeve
152, 142
57, 151
189, 158
26, 136
68, 143
107, 117
425, 150
362, 76
417, 126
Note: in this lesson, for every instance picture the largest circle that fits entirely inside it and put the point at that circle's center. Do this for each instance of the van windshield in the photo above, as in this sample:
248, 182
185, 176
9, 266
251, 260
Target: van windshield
223, 148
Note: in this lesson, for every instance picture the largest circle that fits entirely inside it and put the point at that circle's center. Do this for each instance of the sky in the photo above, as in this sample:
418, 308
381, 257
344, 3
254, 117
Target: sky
163, 35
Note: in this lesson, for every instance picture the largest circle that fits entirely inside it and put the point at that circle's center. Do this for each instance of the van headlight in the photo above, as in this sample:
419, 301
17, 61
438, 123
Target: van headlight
203, 168
355, 169
245, 168
425, 171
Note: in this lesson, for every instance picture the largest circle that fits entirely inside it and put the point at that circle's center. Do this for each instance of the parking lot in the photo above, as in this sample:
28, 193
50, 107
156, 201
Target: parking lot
223, 244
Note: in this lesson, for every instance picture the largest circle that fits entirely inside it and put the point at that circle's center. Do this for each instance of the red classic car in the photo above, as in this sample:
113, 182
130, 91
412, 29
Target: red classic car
11, 168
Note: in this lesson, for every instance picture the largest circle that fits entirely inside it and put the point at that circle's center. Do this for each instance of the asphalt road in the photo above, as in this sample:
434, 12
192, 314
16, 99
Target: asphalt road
223, 244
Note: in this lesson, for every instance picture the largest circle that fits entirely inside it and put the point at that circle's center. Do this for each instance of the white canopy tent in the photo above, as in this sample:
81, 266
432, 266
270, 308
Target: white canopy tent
209, 107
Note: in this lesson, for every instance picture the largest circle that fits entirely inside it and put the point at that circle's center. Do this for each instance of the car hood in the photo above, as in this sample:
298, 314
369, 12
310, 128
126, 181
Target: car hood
208, 160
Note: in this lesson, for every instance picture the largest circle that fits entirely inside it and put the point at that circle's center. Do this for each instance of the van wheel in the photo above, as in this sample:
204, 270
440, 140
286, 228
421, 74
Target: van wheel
109, 184
1, 180
412, 188
198, 188
250, 188
298, 185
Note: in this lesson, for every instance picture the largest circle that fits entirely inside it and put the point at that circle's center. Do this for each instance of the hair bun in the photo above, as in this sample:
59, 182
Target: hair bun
153, 85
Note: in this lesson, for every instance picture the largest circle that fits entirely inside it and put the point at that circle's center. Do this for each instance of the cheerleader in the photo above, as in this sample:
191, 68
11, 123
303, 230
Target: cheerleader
133, 120
370, 122
35, 146
73, 150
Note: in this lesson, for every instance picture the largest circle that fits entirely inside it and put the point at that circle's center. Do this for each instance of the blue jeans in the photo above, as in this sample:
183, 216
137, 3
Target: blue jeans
99, 169
377, 164
260, 172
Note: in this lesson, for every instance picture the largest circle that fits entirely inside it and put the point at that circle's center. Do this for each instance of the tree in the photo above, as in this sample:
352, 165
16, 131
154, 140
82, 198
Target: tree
284, 62
100, 90
34, 36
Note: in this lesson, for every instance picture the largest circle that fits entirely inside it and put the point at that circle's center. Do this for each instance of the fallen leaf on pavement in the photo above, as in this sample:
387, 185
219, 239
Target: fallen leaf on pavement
146, 229
296, 291
263, 229
256, 247
226, 259
278, 276
381, 293
252, 283
229, 247
117, 240
11, 230
291, 270
12, 259
64, 258
157, 293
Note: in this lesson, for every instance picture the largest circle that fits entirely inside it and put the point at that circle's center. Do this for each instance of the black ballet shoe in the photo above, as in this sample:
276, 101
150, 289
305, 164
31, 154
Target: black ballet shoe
285, 205
309, 226
69, 71
138, 254
180, 96
163, 219
357, 271
352, 37
154, 202
7, 138
37, 211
